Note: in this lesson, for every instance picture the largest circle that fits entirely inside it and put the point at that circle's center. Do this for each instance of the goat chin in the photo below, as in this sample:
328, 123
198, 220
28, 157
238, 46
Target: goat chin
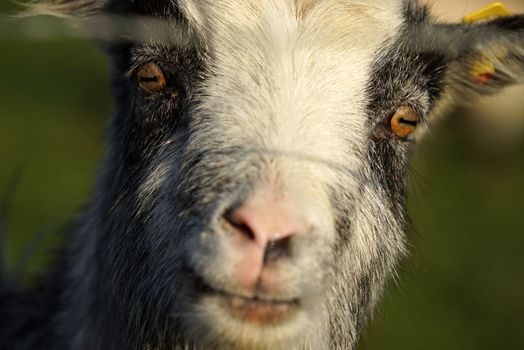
214, 327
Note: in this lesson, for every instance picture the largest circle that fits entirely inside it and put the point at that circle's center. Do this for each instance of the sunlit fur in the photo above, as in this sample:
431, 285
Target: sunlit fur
270, 86
290, 97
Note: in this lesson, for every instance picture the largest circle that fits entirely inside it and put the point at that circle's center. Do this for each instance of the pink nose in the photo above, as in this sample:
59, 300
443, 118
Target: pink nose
263, 229
267, 220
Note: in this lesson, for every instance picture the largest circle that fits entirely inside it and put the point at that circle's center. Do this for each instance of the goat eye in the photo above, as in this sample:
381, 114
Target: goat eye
404, 121
151, 78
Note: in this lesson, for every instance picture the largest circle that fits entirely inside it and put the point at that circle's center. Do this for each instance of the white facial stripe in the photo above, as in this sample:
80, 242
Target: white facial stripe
299, 82
293, 85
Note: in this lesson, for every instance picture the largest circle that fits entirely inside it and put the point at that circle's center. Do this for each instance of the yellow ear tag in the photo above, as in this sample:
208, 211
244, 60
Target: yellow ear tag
492, 11
482, 69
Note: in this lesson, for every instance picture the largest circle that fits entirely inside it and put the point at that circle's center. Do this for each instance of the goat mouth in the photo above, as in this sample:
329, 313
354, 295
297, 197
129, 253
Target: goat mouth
259, 311
253, 309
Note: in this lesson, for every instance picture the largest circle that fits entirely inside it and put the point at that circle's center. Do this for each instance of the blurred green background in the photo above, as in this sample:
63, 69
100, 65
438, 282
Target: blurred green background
461, 288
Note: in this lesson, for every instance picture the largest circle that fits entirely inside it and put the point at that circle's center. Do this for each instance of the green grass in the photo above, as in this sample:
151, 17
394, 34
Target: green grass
54, 101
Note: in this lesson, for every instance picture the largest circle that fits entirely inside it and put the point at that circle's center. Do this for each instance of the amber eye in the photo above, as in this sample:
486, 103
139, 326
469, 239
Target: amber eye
404, 121
151, 78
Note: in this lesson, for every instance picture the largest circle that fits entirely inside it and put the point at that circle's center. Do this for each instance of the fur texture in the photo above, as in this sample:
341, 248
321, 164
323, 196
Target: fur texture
294, 96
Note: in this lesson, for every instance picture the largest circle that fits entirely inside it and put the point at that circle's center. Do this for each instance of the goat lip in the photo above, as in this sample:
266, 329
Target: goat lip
259, 311
255, 309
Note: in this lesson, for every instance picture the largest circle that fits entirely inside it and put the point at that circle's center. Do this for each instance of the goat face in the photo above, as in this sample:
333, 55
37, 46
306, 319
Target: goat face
254, 188
260, 198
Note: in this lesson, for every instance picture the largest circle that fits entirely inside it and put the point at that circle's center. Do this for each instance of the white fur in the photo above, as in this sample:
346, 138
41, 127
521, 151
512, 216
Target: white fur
292, 84
298, 84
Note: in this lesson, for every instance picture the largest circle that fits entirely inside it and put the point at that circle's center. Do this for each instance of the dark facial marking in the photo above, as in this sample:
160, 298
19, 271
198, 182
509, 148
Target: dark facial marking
155, 8
403, 75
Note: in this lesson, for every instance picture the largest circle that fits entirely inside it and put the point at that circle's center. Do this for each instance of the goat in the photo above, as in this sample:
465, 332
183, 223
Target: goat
253, 192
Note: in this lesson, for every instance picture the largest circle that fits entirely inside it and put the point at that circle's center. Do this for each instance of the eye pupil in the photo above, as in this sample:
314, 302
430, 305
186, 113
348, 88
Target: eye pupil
408, 122
151, 78
148, 79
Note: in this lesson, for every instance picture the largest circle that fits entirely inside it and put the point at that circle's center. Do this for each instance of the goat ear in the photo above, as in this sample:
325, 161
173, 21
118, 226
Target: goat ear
481, 58
65, 8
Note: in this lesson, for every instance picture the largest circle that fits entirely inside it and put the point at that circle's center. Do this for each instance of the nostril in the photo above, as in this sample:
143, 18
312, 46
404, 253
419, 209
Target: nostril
239, 226
277, 249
